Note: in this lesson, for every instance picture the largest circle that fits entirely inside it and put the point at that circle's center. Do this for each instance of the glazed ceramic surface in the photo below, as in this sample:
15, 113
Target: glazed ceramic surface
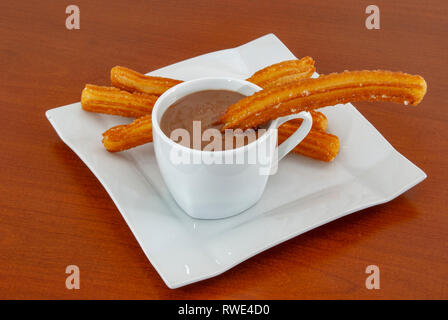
219, 184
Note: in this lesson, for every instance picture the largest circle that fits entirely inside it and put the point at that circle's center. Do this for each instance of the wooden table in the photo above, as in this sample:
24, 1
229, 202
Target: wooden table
55, 213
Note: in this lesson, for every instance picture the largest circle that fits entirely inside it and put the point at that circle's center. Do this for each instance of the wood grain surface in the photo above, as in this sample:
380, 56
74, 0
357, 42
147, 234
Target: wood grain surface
54, 212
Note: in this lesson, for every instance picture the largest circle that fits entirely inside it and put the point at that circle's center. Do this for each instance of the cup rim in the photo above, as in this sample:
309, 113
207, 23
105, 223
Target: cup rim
156, 126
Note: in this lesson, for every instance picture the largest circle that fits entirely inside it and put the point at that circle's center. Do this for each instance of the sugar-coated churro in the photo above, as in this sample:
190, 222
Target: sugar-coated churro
117, 102
326, 90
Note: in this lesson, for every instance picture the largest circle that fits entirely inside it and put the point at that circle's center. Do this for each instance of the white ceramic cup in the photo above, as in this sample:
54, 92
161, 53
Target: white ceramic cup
219, 190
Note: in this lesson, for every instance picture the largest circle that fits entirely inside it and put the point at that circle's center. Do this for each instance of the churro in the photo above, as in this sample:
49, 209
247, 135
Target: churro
128, 136
283, 72
320, 122
130, 80
324, 91
117, 102
317, 144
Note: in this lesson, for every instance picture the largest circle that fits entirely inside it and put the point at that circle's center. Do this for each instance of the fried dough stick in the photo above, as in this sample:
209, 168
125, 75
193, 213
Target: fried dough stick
320, 122
284, 72
117, 102
128, 136
318, 144
133, 81
326, 90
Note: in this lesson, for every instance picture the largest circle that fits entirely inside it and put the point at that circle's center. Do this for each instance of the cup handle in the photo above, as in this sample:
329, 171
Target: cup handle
300, 134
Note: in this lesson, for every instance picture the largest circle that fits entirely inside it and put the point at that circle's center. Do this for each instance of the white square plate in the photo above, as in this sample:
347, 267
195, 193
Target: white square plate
302, 195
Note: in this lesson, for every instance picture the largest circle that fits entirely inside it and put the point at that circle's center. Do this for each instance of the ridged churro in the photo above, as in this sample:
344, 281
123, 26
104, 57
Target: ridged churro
283, 72
130, 80
320, 122
128, 136
317, 144
117, 102
324, 91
